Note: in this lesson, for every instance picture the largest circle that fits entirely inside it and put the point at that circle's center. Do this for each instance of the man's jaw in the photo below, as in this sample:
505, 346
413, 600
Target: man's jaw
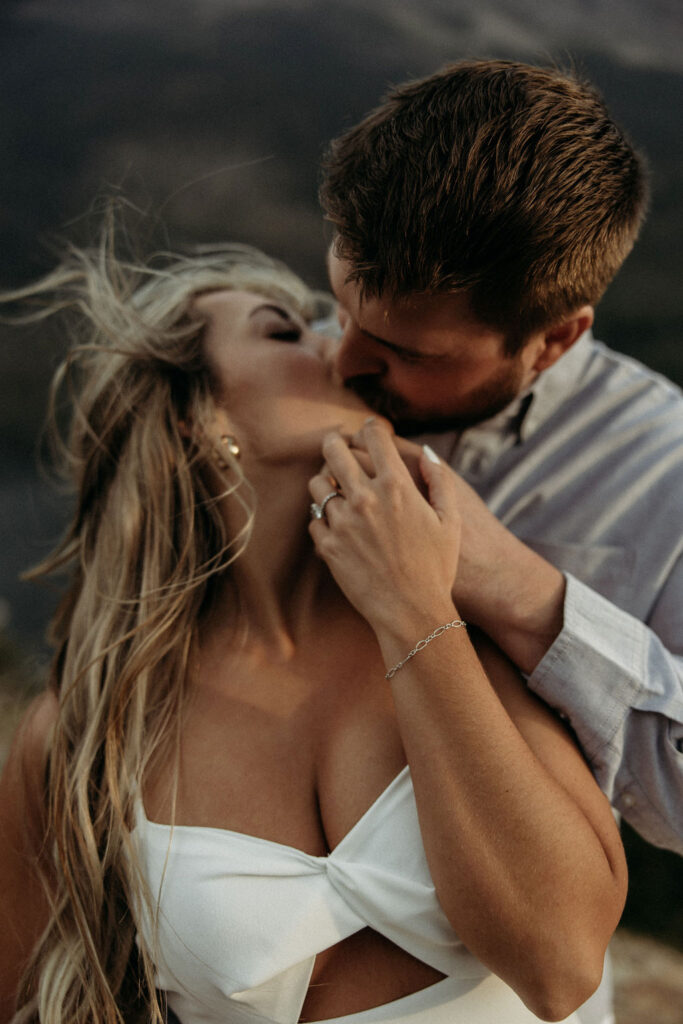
408, 421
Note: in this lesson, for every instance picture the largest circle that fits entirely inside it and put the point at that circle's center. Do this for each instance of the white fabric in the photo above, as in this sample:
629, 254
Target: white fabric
241, 920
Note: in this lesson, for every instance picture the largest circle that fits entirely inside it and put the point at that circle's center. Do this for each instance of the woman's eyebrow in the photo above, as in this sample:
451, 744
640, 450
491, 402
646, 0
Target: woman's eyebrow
280, 310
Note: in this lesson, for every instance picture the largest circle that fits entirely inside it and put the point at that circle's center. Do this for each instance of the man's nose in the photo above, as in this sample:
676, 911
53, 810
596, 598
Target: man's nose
357, 355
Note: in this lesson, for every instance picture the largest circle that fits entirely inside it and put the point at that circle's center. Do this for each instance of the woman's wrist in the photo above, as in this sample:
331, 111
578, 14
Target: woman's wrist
424, 642
401, 629
400, 617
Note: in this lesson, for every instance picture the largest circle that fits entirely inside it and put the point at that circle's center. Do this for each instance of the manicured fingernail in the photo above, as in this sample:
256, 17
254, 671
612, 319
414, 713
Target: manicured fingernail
431, 454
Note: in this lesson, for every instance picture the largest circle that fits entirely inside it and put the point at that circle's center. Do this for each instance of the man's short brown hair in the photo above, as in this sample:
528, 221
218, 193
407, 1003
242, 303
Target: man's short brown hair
507, 181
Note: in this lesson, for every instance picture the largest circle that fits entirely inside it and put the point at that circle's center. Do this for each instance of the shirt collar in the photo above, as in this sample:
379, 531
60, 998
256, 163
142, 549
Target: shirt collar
553, 385
515, 423
533, 406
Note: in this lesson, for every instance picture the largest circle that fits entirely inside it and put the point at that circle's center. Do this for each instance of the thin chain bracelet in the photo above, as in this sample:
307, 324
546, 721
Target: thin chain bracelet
420, 646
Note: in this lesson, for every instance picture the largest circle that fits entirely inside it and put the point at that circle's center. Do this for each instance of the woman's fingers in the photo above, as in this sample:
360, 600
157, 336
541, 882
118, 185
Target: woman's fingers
408, 451
345, 469
381, 447
386, 547
374, 468
438, 478
324, 494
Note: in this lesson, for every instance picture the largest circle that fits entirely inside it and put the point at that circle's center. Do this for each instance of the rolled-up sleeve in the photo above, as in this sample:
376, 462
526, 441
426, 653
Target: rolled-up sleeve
621, 689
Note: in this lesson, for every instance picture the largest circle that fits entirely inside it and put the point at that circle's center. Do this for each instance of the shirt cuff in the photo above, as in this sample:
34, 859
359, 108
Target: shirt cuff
591, 674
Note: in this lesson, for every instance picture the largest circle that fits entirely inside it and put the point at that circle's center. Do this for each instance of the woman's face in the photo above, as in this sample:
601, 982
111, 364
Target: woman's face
275, 384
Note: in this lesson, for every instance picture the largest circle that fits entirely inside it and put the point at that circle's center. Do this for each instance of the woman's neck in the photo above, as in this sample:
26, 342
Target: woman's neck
276, 586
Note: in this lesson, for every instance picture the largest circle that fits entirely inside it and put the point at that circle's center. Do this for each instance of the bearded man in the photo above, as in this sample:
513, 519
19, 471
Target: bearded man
479, 216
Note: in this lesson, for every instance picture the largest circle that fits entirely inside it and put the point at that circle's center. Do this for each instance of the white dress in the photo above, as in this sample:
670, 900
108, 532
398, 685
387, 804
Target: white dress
241, 919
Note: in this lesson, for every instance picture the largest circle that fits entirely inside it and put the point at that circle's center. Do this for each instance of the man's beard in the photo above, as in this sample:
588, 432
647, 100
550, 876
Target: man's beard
482, 405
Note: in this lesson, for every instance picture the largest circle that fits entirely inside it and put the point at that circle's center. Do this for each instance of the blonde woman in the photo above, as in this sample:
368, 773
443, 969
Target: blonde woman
258, 790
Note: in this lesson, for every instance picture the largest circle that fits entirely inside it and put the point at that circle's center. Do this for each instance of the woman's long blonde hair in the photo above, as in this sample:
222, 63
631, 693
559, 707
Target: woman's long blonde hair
145, 544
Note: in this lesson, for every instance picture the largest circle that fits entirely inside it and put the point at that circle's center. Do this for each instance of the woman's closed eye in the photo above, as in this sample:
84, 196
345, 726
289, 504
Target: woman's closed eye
289, 332
279, 324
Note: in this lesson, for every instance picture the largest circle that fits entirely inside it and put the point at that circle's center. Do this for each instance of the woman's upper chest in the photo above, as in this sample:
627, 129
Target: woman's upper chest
292, 751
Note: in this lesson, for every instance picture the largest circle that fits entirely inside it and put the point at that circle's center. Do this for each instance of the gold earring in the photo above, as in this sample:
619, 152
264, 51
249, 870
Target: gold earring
229, 444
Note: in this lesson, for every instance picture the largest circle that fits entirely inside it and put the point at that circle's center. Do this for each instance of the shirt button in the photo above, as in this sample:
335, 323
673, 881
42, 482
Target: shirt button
628, 800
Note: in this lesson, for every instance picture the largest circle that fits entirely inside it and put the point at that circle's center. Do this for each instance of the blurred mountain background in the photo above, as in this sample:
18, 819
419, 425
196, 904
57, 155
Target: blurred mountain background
211, 116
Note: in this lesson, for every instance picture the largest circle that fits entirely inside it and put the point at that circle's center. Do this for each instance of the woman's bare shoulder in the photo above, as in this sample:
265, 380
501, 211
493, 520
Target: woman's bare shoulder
32, 736
22, 787
24, 852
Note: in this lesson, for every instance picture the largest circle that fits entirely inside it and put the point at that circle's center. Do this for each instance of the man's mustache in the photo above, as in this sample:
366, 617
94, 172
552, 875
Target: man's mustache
374, 395
399, 413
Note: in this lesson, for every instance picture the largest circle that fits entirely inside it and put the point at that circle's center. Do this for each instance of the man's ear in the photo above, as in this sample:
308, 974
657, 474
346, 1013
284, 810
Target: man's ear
558, 339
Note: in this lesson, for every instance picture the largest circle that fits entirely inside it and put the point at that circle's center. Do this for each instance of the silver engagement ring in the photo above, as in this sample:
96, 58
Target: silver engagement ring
318, 511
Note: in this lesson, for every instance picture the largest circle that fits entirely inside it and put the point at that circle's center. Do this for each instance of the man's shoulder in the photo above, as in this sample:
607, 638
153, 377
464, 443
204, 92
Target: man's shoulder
609, 417
627, 371
612, 390
594, 394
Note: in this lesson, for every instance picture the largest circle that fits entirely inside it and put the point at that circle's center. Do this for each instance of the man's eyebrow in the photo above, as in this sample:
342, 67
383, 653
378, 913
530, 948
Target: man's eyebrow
401, 349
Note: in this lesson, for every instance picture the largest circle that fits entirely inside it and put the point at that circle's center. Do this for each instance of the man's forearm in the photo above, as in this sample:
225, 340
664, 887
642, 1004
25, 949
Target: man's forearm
515, 596
622, 692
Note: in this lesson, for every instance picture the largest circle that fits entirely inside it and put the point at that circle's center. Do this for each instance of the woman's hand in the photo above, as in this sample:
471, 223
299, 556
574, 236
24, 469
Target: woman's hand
513, 594
393, 552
